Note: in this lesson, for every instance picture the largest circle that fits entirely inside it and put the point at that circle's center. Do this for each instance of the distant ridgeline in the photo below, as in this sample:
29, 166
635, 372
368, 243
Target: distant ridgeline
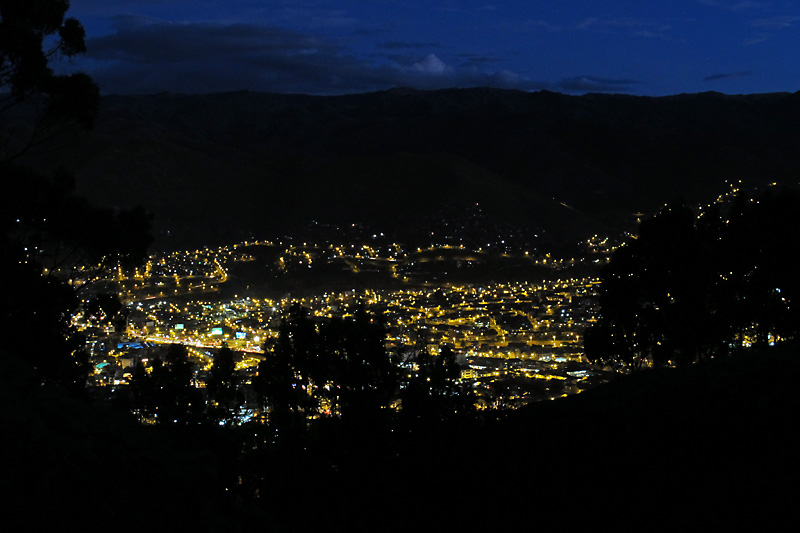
227, 167
696, 285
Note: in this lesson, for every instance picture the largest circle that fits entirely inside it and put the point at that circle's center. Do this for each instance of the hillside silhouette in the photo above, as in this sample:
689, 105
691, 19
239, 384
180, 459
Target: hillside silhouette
711, 444
226, 165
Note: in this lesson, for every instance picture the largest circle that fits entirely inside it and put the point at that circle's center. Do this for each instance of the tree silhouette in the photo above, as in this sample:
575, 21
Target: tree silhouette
143, 397
35, 323
338, 365
33, 33
278, 384
432, 393
104, 308
759, 242
172, 399
363, 374
694, 286
222, 384
46, 232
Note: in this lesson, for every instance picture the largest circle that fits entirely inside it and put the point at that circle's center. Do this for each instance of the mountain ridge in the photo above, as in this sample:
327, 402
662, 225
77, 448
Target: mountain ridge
605, 156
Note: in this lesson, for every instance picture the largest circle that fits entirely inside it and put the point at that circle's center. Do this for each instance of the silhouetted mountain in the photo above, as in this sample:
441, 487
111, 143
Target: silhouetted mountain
227, 165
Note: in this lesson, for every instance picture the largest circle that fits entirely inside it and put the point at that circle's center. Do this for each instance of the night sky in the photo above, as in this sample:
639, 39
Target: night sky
352, 46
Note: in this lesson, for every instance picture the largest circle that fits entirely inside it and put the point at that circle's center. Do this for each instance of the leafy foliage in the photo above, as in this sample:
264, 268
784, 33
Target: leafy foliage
44, 228
432, 394
694, 286
34, 320
337, 366
33, 33
167, 393
222, 384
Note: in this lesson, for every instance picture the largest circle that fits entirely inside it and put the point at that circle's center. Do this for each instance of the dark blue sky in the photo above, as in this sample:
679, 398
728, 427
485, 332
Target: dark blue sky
342, 46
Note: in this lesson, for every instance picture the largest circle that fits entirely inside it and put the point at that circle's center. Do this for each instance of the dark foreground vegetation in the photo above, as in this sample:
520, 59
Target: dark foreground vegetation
695, 284
711, 445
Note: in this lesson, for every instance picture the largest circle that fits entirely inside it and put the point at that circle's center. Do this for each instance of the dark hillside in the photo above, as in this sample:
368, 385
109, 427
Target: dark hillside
238, 162
68, 463
710, 446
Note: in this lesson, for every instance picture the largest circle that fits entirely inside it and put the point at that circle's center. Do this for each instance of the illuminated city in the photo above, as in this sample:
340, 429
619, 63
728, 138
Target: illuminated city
516, 341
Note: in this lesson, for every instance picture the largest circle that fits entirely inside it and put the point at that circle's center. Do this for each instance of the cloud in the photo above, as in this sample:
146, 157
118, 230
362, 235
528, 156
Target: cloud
127, 23
634, 27
473, 60
471, 9
395, 45
527, 26
728, 75
145, 56
733, 6
431, 64
159, 43
332, 21
757, 38
768, 25
595, 84
210, 57
785, 21
430, 72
